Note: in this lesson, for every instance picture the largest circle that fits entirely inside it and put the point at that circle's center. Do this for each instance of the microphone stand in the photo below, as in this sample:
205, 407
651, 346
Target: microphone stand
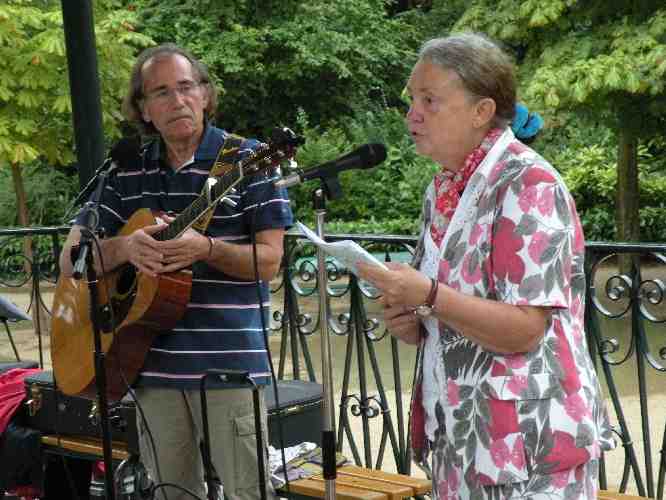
332, 190
108, 165
84, 265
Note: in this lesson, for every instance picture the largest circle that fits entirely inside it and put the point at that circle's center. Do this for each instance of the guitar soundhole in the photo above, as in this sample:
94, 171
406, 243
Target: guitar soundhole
126, 281
123, 298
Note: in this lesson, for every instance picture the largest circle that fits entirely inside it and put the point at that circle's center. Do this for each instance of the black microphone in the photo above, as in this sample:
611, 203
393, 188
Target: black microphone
126, 150
123, 152
366, 156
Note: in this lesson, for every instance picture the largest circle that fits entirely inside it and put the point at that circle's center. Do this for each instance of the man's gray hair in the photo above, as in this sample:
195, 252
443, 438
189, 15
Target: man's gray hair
484, 68
131, 106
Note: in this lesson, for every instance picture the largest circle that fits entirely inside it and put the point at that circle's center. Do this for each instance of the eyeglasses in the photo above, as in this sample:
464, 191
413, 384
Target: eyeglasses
186, 89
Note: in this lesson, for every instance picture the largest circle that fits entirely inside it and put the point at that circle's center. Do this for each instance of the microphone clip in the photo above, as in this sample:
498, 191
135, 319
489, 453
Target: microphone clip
108, 166
332, 187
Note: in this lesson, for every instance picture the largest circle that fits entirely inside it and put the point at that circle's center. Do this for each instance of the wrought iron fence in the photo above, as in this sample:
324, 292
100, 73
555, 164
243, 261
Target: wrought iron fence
29, 257
625, 315
352, 317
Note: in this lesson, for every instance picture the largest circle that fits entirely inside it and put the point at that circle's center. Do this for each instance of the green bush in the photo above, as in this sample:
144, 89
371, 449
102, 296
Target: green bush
386, 198
49, 193
270, 58
591, 175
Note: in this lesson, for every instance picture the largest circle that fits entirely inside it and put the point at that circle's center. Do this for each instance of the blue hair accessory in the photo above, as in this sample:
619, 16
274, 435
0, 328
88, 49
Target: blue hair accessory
526, 125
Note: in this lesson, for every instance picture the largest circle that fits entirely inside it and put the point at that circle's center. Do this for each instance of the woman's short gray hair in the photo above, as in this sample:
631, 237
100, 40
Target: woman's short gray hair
484, 68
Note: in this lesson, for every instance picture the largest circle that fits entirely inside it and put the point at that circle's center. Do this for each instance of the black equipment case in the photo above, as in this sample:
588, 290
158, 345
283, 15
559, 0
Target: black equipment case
300, 414
52, 412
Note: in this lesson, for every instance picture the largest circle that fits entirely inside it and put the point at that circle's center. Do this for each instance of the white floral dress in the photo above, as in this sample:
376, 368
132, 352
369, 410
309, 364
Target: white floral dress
526, 425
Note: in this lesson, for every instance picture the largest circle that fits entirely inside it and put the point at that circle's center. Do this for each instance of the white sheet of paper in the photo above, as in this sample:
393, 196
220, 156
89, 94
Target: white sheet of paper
347, 252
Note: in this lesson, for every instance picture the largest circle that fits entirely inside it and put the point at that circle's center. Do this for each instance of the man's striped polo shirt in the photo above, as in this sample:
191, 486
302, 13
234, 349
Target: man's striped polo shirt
222, 325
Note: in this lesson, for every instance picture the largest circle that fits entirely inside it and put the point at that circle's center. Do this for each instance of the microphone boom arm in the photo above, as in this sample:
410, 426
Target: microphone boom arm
366, 156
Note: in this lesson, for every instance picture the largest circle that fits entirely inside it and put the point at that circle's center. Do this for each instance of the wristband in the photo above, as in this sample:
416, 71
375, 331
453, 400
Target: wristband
211, 244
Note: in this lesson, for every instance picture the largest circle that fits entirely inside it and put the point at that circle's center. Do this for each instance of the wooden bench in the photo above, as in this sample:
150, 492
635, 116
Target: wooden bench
359, 483
84, 447
610, 495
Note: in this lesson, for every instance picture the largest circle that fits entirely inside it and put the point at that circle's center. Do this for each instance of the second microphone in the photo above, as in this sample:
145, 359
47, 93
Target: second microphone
366, 156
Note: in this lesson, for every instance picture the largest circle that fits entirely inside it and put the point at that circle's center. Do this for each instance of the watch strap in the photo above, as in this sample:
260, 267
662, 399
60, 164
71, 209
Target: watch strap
432, 295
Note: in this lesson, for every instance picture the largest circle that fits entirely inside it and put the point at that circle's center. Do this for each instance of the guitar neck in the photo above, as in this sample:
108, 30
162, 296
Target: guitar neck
201, 205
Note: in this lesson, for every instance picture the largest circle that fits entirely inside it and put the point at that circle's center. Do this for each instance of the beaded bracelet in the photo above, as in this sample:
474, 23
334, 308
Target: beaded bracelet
210, 247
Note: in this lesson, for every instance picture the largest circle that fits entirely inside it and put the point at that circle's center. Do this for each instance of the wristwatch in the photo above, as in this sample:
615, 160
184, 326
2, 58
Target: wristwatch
424, 310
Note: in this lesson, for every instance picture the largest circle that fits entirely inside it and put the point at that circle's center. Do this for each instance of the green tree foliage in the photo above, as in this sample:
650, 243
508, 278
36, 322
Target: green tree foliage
590, 173
272, 57
606, 59
385, 199
35, 105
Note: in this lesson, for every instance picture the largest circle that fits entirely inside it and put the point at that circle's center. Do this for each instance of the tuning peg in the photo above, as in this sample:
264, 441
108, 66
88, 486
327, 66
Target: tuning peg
283, 136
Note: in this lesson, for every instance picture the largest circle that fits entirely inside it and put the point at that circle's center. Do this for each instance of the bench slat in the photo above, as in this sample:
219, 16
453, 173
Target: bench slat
86, 446
611, 495
392, 490
317, 489
418, 485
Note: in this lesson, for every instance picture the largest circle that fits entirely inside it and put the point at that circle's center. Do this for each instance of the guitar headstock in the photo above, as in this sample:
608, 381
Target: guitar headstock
281, 147
286, 138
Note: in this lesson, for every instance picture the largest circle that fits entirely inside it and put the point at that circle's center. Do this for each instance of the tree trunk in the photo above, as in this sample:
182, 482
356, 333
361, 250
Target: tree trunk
626, 214
628, 228
24, 221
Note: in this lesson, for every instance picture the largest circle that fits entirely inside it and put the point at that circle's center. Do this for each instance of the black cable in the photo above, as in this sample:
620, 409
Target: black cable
65, 465
264, 330
173, 485
130, 390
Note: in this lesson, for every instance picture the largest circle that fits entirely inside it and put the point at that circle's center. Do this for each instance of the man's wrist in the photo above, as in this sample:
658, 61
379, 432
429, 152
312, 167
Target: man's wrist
211, 249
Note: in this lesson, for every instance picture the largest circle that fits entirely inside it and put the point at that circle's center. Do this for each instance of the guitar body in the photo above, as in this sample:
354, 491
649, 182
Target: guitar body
138, 305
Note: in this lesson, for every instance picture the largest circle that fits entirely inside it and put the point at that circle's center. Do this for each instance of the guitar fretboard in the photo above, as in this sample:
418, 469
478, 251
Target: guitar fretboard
223, 185
199, 206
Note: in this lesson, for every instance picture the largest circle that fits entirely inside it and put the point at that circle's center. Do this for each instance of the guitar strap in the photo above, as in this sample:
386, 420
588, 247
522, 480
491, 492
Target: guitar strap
224, 162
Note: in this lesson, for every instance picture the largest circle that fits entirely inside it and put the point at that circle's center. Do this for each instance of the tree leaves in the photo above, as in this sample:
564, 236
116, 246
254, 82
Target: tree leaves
324, 57
34, 94
581, 54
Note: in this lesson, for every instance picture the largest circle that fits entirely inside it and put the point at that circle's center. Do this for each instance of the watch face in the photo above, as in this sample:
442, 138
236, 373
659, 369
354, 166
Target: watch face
423, 310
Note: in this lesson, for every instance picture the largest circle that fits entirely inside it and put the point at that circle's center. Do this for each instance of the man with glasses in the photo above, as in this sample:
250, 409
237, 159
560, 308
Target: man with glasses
171, 100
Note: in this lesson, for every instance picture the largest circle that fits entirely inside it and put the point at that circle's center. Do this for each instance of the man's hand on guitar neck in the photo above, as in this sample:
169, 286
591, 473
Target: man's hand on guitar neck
143, 251
140, 249
183, 251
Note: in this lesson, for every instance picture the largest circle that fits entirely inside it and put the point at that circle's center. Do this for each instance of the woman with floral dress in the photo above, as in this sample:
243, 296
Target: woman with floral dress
507, 401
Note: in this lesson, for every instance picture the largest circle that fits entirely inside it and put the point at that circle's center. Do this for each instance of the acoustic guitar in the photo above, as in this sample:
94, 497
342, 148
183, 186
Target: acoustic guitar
134, 307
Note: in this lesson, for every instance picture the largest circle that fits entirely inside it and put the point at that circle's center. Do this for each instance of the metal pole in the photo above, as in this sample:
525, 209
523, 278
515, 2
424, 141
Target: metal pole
328, 420
84, 87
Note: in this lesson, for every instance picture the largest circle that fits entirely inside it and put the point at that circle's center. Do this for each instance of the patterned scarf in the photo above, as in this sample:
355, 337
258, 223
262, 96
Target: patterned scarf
449, 186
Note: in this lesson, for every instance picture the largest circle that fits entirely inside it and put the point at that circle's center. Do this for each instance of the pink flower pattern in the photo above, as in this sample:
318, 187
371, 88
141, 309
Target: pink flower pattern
523, 248
537, 246
453, 393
